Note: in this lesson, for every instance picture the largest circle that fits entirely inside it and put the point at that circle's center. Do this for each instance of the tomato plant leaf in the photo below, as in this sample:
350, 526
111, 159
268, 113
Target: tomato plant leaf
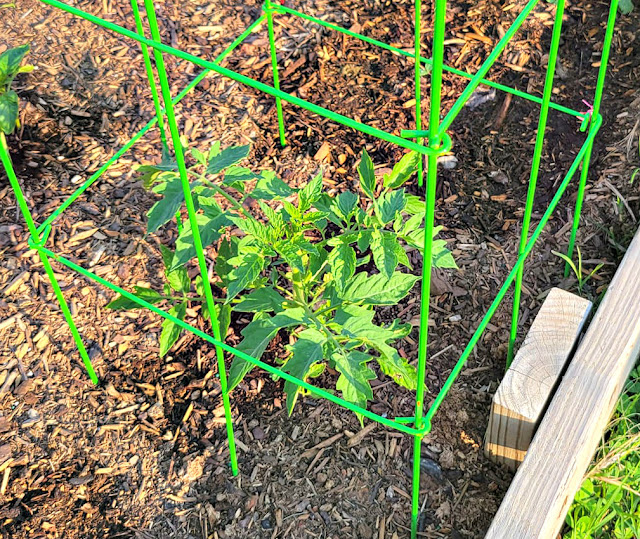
390, 204
170, 330
343, 264
165, 209
403, 170
367, 175
355, 375
257, 335
227, 157
377, 289
210, 229
310, 193
8, 111
270, 187
384, 248
10, 61
306, 351
246, 268
262, 299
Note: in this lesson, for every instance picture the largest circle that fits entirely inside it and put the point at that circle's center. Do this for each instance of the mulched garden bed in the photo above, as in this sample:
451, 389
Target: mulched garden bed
144, 454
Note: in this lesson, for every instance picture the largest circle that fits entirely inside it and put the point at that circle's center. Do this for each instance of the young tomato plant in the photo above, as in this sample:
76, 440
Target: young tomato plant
10, 61
310, 264
307, 268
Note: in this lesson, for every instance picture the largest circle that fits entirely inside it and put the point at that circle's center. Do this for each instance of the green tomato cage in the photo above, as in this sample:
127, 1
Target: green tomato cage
431, 143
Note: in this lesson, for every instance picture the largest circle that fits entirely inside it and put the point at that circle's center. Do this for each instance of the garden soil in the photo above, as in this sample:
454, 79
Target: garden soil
144, 454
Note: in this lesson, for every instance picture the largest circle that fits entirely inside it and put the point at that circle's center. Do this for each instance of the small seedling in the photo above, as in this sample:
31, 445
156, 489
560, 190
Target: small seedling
578, 270
310, 264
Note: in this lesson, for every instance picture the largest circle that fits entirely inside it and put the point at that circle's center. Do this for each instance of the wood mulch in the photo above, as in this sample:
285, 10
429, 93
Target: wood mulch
144, 454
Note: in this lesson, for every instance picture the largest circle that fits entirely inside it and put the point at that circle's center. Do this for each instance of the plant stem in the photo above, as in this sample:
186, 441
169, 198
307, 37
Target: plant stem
236, 205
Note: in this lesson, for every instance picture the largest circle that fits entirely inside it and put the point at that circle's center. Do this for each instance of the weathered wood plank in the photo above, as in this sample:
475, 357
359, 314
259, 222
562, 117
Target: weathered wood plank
545, 484
530, 381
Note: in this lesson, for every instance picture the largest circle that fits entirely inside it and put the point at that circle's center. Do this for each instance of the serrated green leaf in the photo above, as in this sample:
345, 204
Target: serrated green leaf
367, 175
442, 257
403, 170
355, 376
345, 203
226, 158
257, 335
356, 323
210, 229
151, 174
124, 303
391, 204
262, 299
306, 351
310, 193
200, 157
414, 205
165, 209
236, 176
274, 218
177, 278
227, 250
377, 289
343, 265
8, 111
384, 248
411, 224
246, 269
270, 187
295, 250
170, 330
364, 240
223, 313
10, 61
327, 206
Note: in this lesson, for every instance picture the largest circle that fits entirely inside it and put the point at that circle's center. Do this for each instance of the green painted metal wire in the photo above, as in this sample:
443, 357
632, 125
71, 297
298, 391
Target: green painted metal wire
535, 170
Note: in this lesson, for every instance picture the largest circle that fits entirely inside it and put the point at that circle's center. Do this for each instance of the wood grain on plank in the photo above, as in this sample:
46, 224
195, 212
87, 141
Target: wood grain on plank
528, 384
545, 484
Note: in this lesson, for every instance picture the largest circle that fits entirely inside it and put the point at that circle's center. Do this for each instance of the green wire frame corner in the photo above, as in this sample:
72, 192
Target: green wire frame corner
437, 141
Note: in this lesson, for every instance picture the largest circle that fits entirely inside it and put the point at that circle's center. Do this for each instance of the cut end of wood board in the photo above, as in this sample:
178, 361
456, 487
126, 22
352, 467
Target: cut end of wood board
534, 374
542, 490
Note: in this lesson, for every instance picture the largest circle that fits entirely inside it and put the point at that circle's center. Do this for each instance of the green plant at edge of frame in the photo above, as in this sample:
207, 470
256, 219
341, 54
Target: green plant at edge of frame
10, 61
608, 502
578, 270
303, 266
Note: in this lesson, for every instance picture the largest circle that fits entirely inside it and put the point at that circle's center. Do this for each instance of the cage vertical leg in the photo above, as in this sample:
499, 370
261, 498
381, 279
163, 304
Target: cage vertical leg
150, 75
417, 28
597, 101
440, 9
35, 237
197, 242
535, 170
154, 90
268, 8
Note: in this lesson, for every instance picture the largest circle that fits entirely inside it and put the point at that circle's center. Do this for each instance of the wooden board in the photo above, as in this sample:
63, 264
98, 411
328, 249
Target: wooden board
530, 381
543, 489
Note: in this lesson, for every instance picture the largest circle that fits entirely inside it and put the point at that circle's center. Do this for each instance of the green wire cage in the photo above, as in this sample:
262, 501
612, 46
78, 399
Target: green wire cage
431, 142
